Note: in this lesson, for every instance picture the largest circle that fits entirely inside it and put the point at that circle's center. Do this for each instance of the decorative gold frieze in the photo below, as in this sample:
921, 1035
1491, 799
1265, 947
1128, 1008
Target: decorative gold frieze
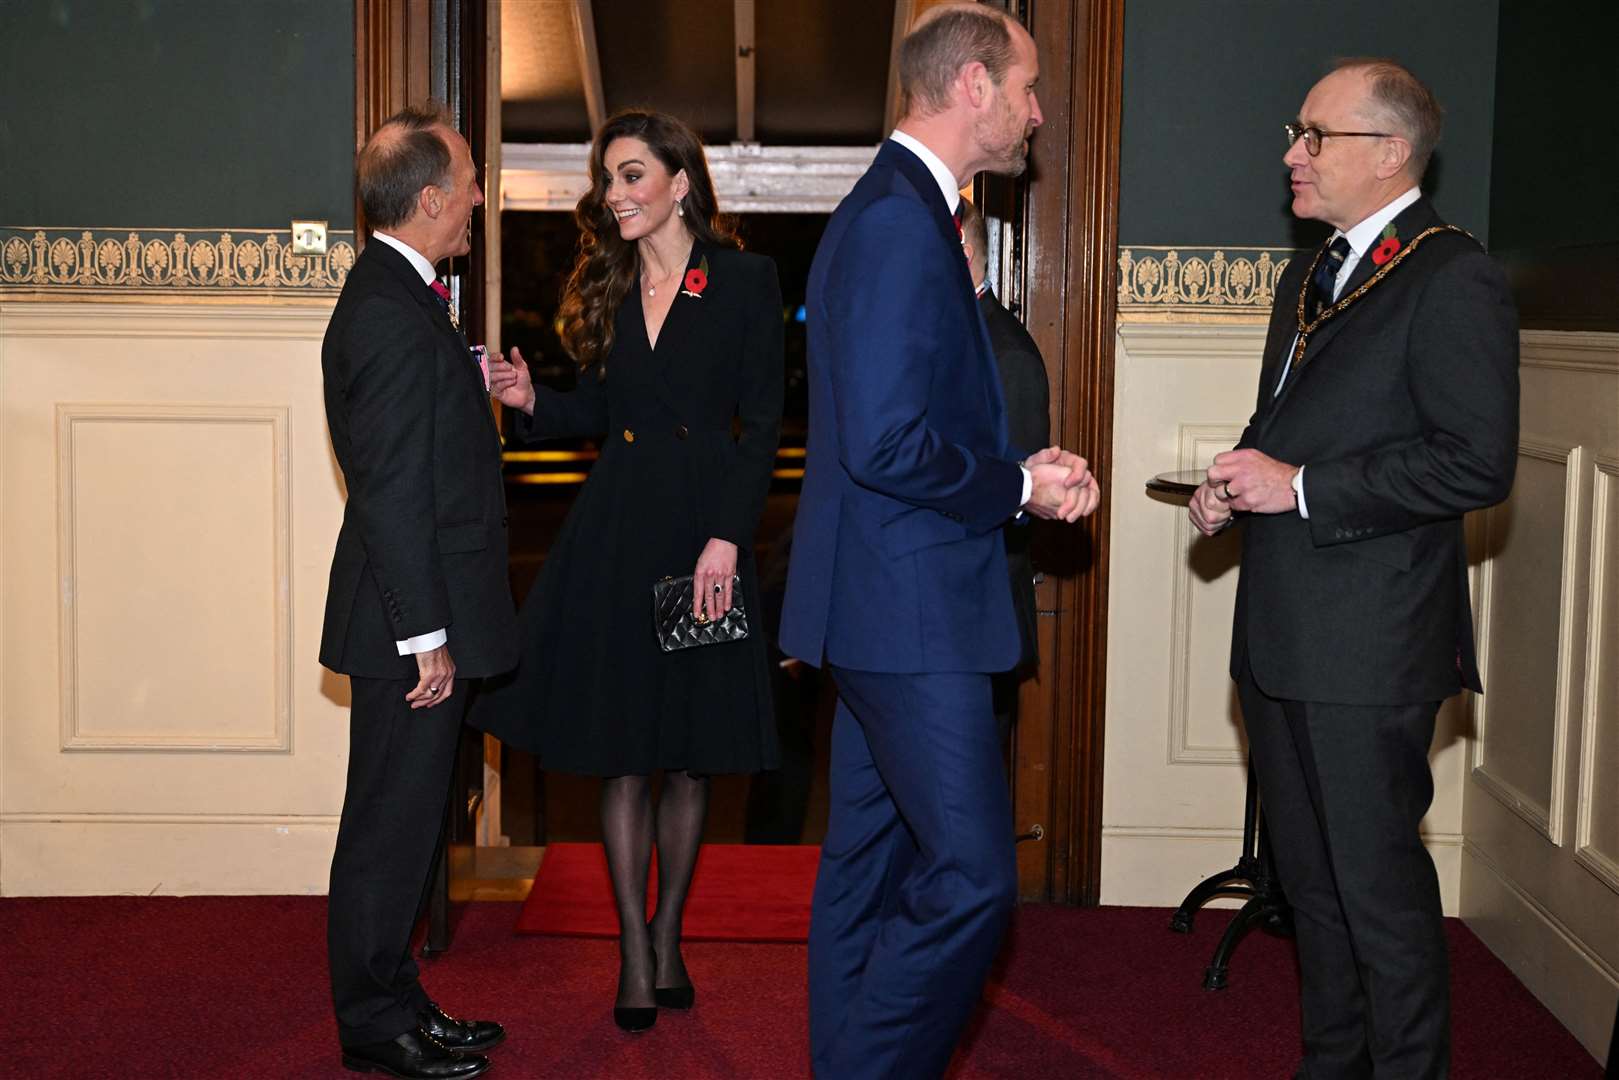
56, 263
1199, 280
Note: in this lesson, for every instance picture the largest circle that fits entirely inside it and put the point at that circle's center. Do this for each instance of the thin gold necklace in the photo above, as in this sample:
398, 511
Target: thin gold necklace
652, 289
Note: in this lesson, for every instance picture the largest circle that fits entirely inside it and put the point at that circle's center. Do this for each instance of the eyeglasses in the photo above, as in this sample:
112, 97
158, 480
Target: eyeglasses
1313, 135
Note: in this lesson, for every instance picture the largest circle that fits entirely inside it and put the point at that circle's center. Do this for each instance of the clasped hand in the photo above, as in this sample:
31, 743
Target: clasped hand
1241, 480
1064, 488
510, 382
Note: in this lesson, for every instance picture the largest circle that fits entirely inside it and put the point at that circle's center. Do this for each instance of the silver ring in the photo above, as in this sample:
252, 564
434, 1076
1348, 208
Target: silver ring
718, 590
432, 689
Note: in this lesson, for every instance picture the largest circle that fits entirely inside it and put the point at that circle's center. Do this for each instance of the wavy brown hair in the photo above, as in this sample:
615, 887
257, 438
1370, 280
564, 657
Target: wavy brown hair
606, 265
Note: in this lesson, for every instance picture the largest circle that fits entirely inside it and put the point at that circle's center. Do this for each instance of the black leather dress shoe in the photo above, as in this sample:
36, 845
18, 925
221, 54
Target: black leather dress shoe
461, 1035
413, 1056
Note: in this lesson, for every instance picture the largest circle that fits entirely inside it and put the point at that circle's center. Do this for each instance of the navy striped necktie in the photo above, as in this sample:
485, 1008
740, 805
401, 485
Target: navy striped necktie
1324, 282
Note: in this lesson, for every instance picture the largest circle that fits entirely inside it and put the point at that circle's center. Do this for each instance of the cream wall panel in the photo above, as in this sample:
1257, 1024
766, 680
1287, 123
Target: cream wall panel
1526, 615
1536, 885
165, 509
1174, 777
216, 364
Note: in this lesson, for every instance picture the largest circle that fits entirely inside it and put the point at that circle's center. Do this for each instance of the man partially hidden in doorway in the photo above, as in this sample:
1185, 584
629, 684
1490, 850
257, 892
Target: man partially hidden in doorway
1027, 392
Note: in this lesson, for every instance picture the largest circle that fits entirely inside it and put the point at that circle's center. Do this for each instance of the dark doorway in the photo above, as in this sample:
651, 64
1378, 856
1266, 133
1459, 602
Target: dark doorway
537, 807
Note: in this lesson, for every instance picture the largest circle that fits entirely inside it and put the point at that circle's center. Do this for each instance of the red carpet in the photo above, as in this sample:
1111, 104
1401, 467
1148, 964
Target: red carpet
235, 987
740, 892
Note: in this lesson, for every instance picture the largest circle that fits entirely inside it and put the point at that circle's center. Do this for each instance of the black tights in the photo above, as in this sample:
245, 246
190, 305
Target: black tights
628, 828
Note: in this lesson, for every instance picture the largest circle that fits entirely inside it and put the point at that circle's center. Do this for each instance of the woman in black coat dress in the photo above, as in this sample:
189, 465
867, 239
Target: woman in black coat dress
679, 338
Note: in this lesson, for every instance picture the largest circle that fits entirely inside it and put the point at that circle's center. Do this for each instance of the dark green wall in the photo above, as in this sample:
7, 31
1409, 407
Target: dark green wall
1554, 213
1209, 83
1555, 178
176, 113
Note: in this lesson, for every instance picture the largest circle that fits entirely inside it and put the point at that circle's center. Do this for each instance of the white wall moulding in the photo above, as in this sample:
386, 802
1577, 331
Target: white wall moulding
166, 855
1158, 866
1559, 966
1596, 827
1177, 281
1569, 350
748, 178
164, 508
1528, 659
62, 318
1201, 732
41, 263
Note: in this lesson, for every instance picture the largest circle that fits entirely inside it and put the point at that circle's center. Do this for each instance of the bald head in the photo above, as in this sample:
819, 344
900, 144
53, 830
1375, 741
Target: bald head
1397, 101
407, 153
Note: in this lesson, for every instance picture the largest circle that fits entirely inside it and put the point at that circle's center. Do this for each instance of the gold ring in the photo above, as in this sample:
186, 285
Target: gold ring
700, 619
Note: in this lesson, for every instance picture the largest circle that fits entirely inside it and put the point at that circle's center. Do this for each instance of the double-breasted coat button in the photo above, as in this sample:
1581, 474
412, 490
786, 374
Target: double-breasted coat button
629, 436
680, 431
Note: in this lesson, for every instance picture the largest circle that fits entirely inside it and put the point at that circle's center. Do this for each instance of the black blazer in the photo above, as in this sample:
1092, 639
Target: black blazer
1028, 424
718, 360
1404, 413
423, 542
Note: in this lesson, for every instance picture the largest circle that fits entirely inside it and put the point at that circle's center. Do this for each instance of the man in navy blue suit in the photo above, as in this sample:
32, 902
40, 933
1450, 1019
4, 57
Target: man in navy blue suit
898, 581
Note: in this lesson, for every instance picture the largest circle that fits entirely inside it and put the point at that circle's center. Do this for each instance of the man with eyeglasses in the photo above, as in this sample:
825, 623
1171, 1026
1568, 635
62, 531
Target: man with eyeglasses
1387, 409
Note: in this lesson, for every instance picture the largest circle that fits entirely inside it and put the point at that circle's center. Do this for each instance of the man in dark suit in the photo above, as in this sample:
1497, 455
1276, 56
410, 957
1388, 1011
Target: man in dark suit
418, 601
1387, 409
1027, 393
898, 580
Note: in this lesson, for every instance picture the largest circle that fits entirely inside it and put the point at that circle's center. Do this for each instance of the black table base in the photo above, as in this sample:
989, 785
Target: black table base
1252, 877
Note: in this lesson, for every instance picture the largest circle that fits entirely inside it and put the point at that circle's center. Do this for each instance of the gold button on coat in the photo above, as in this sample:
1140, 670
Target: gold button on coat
629, 436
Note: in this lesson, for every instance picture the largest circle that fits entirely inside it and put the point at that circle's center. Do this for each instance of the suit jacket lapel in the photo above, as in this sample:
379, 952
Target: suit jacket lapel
1407, 224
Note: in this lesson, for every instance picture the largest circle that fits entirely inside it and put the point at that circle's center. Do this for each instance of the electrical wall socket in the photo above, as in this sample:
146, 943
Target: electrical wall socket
309, 238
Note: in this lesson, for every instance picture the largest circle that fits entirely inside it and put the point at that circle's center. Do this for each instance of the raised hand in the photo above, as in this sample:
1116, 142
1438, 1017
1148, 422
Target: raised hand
510, 383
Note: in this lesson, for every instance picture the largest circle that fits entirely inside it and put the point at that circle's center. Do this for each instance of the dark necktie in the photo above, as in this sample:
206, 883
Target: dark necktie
1323, 283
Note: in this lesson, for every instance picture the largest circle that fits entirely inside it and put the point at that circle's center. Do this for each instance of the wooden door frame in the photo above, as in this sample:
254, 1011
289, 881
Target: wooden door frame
1065, 288
1068, 301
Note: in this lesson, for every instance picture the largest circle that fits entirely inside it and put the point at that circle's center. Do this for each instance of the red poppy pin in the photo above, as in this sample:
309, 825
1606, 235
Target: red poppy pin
696, 280
1385, 250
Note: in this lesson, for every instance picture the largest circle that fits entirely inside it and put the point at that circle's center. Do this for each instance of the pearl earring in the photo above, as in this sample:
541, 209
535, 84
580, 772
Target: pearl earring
680, 208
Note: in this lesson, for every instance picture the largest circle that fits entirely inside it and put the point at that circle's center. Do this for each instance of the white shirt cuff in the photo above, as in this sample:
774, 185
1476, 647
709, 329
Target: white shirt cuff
1298, 493
423, 642
1028, 485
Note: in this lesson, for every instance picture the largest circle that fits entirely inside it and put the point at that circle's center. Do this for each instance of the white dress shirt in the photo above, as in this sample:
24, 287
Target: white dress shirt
1362, 238
421, 642
952, 199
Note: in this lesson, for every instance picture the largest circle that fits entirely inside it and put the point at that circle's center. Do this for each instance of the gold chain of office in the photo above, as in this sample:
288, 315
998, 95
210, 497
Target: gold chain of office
1306, 329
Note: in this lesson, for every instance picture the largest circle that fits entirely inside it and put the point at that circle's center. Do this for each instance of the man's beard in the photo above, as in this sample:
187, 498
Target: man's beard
1008, 150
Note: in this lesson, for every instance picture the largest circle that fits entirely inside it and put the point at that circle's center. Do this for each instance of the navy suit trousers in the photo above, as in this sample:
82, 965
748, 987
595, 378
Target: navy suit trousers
917, 878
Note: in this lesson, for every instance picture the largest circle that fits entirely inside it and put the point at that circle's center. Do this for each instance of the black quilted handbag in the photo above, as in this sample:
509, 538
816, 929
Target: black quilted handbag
678, 628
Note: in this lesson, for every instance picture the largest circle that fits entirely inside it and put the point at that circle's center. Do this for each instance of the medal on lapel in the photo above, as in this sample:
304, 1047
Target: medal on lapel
443, 292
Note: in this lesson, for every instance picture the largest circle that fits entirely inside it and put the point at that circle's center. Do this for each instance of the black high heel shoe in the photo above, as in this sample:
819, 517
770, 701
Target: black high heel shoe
675, 997
636, 1019
670, 997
